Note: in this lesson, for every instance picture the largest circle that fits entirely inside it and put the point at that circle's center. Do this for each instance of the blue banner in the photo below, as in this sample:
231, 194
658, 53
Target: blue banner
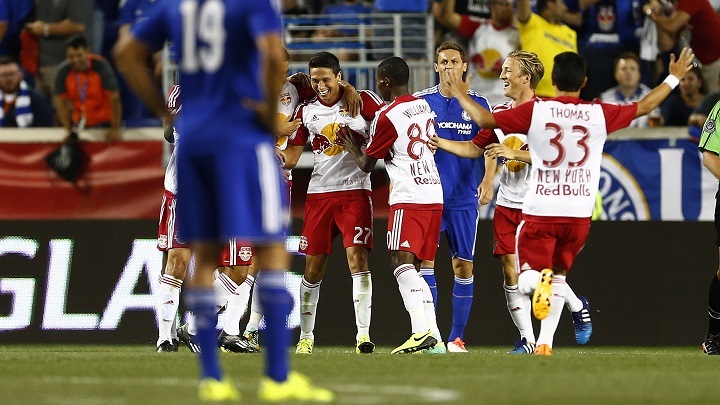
653, 180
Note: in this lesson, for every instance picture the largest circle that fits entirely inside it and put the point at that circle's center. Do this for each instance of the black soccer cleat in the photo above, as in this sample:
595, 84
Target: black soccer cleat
234, 344
712, 344
166, 346
189, 340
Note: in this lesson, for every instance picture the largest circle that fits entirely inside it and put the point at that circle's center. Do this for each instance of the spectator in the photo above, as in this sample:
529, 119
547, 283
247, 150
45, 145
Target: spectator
57, 21
629, 89
700, 115
704, 24
489, 42
677, 108
13, 14
610, 27
413, 32
545, 35
86, 91
20, 106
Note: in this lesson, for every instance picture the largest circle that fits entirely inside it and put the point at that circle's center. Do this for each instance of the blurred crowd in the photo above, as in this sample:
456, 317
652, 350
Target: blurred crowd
56, 70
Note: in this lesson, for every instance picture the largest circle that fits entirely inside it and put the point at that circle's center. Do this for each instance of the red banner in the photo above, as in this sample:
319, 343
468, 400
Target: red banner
122, 181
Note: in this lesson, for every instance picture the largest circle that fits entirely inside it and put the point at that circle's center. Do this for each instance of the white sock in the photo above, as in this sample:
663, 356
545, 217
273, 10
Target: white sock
548, 326
224, 288
572, 302
362, 300
255, 311
412, 294
192, 329
168, 301
236, 306
309, 297
527, 281
520, 306
429, 307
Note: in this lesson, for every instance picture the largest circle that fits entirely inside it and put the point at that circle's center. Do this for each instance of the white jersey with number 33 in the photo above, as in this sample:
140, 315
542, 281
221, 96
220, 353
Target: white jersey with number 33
566, 137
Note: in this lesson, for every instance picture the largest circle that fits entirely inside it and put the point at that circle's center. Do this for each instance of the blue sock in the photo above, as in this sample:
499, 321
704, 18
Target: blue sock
276, 303
462, 301
202, 304
429, 276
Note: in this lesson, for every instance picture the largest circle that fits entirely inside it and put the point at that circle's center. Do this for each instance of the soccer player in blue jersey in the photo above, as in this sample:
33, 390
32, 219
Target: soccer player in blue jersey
230, 58
460, 178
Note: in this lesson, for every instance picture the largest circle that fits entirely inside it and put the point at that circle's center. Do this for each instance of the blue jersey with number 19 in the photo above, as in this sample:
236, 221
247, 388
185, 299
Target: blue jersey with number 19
218, 59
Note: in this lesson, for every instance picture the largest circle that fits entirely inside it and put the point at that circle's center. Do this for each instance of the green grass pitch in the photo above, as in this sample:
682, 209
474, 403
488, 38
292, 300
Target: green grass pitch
109, 375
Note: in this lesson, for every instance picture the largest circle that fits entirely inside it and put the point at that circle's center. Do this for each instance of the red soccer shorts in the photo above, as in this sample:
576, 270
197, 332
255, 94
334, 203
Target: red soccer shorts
167, 231
328, 215
549, 244
236, 253
415, 230
505, 223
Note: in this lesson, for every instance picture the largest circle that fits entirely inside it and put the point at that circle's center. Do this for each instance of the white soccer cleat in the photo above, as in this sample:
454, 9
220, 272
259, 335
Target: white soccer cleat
456, 346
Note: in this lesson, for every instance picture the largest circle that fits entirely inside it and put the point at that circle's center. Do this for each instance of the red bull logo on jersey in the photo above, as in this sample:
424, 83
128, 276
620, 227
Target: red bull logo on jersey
344, 113
285, 99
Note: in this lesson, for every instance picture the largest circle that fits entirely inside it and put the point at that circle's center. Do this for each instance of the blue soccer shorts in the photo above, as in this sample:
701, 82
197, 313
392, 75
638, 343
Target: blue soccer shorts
460, 228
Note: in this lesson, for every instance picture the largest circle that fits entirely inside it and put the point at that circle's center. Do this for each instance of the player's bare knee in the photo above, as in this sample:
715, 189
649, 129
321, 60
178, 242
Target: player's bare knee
462, 268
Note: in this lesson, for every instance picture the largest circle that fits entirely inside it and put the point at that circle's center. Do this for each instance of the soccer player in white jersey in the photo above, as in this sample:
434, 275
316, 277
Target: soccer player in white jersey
338, 200
399, 135
566, 136
521, 73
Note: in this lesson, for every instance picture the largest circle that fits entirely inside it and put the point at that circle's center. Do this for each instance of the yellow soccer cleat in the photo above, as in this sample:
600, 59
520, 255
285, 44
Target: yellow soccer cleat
364, 345
297, 387
305, 346
543, 350
541, 297
211, 389
416, 342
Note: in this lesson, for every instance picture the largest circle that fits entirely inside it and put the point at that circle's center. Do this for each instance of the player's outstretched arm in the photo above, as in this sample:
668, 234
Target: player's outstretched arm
677, 70
465, 149
292, 156
459, 89
351, 143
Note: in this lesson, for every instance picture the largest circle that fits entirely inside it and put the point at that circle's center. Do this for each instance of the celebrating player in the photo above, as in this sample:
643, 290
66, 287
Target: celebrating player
460, 178
521, 72
229, 116
399, 135
338, 200
566, 136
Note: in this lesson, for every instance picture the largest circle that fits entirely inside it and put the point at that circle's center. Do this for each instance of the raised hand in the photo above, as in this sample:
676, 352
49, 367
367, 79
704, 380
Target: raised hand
683, 64
452, 79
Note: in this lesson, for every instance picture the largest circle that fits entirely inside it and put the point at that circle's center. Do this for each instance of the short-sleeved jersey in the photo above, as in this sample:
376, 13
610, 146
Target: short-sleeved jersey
334, 168
400, 134
132, 11
546, 40
488, 47
173, 105
514, 175
460, 177
566, 136
614, 96
218, 62
287, 103
710, 138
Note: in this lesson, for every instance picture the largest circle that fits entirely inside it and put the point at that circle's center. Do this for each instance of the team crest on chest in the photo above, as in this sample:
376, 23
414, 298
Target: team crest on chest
245, 253
285, 99
466, 116
303, 243
343, 112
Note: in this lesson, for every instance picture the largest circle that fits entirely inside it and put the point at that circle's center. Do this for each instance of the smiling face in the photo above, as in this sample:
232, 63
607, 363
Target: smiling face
513, 80
77, 57
326, 84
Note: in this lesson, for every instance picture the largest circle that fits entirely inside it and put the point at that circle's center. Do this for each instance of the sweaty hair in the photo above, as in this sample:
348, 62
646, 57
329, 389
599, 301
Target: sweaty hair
75, 42
626, 56
569, 71
325, 60
450, 45
396, 69
530, 64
